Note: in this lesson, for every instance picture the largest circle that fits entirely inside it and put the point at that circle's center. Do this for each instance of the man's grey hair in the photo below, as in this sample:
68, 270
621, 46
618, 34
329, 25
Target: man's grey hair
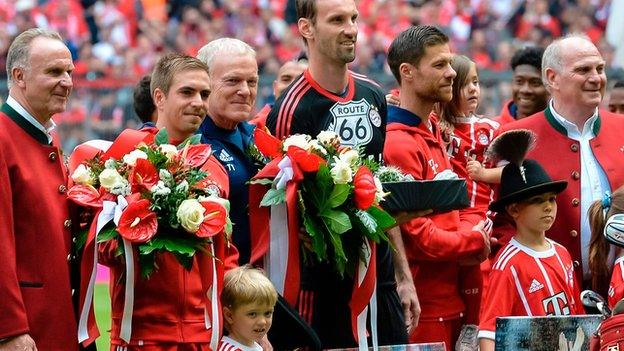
224, 46
19, 51
552, 57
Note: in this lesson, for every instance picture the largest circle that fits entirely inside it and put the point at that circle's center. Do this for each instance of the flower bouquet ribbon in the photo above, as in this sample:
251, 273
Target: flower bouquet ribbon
132, 202
328, 190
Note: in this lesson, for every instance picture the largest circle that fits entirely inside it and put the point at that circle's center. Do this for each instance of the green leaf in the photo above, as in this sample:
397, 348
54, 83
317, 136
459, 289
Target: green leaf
337, 221
261, 181
147, 263
273, 197
383, 219
180, 245
339, 195
107, 233
340, 259
162, 137
367, 221
318, 241
81, 238
192, 140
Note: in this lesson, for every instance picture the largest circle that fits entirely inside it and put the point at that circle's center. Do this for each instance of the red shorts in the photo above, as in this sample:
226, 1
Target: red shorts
446, 331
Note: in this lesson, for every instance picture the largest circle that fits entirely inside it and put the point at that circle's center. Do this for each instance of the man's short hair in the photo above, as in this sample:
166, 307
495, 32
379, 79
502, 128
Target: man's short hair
19, 51
306, 9
245, 285
410, 45
224, 46
552, 57
143, 102
168, 66
530, 55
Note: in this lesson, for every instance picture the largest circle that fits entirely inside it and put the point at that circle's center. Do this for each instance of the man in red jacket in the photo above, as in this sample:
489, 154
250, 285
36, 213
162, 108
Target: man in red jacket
529, 95
36, 309
576, 140
169, 307
420, 60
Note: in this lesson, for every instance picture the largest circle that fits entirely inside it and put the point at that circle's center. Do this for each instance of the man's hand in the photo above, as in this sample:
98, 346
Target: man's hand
475, 170
409, 301
404, 217
485, 228
393, 100
22, 343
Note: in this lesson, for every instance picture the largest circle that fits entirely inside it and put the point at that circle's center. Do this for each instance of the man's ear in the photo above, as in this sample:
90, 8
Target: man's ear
17, 73
305, 28
228, 315
406, 71
159, 98
551, 79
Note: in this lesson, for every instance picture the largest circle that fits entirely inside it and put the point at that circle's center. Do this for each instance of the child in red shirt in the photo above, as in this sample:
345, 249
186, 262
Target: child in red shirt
531, 275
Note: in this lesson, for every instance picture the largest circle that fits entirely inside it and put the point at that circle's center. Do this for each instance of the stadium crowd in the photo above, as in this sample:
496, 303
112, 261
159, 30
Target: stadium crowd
543, 175
114, 43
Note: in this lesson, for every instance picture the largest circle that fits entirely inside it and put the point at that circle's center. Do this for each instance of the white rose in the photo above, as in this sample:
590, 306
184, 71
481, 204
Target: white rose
300, 140
110, 178
328, 138
169, 150
82, 175
350, 157
341, 172
131, 158
316, 147
191, 215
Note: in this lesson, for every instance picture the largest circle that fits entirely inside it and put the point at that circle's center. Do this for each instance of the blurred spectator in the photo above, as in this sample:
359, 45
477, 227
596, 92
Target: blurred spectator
117, 42
616, 98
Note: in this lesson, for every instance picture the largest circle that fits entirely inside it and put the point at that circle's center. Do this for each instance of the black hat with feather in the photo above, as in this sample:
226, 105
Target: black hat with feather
521, 179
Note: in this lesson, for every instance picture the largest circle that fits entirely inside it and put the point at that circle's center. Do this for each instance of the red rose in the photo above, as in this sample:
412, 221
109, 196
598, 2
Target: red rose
215, 219
308, 162
196, 155
84, 195
365, 188
143, 175
268, 145
138, 223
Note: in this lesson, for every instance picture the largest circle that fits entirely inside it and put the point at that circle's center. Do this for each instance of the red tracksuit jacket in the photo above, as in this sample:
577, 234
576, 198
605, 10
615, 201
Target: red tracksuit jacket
433, 243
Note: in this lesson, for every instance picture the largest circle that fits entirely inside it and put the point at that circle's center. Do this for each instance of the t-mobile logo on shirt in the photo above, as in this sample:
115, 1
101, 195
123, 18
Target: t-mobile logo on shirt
556, 305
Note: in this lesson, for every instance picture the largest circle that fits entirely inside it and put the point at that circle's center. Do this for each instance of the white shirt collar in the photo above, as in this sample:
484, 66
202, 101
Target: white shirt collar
46, 129
571, 128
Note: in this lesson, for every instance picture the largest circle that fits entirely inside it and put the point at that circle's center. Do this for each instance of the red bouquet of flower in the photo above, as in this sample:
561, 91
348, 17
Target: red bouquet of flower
160, 197
336, 192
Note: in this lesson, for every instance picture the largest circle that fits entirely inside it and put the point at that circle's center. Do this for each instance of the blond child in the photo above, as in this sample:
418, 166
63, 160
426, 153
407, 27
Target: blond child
247, 299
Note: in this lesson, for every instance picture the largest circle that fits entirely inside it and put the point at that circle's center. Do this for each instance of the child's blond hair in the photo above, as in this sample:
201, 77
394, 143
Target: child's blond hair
244, 285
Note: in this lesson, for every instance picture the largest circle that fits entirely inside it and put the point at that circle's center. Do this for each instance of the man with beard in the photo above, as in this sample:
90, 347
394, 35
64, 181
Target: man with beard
529, 95
420, 60
578, 142
330, 97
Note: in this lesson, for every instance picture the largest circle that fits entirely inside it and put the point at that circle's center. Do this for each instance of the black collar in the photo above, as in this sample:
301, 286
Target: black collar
37, 134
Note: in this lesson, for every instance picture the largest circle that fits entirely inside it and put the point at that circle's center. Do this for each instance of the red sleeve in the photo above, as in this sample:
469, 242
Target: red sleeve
499, 301
616, 287
13, 319
435, 243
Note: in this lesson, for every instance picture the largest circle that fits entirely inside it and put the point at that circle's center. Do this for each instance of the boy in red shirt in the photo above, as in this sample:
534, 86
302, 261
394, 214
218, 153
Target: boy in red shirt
532, 275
